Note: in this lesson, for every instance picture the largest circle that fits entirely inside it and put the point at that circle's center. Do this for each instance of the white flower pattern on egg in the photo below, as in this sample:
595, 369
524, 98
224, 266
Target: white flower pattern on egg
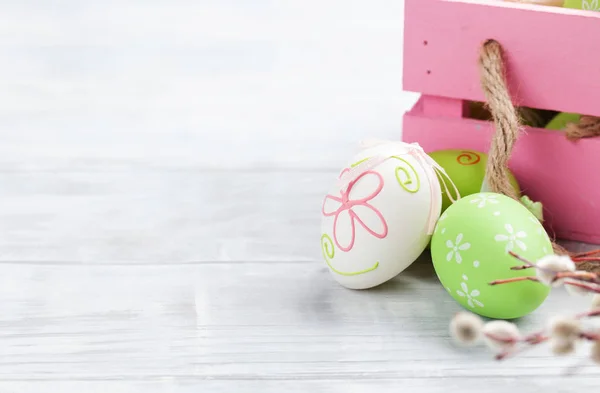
471, 301
455, 248
482, 200
590, 5
512, 238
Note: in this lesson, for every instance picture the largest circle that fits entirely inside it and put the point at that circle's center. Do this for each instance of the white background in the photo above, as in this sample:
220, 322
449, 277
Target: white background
208, 83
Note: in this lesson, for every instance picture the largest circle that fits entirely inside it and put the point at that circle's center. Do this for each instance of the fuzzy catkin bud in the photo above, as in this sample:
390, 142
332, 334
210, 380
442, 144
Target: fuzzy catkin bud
548, 266
565, 328
501, 335
562, 347
596, 352
596, 301
466, 328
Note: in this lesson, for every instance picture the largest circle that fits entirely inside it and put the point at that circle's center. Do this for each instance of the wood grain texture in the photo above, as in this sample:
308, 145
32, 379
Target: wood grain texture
185, 281
230, 326
161, 216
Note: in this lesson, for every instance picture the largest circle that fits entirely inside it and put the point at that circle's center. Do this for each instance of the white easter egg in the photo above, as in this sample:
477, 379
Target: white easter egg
379, 216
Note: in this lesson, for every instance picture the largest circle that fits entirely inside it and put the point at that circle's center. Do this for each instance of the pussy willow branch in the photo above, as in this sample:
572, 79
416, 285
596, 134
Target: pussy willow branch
587, 253
540, 337
514, 279
579, 278
578, 274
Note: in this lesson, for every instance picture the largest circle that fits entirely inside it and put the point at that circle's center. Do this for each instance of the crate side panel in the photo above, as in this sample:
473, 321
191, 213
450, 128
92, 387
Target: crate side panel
550, 169
552, 54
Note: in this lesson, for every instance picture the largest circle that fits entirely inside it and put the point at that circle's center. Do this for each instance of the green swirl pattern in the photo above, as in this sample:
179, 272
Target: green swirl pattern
328, 250
411, 181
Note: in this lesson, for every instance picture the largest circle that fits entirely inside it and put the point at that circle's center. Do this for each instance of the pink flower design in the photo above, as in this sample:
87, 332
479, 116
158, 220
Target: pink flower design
348, 211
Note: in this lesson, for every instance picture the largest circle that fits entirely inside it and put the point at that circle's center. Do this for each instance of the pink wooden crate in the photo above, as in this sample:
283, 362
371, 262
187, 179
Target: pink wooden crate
553, 62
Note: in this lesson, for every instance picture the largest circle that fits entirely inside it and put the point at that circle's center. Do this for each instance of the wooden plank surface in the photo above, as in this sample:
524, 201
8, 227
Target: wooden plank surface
146, 301
443, 40
161, 216
262, 325
162, 167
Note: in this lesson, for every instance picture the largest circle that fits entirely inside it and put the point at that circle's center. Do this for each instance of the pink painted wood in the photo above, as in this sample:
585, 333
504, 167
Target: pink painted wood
441, 106
549, 168
553, 54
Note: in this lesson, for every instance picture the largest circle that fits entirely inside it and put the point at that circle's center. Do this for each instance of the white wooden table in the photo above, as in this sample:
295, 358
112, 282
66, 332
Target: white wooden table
162, 165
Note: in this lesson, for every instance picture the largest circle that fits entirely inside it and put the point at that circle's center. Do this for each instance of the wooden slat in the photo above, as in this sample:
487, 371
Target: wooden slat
161, 217
562, 184
552, 57
229, 324
192, 384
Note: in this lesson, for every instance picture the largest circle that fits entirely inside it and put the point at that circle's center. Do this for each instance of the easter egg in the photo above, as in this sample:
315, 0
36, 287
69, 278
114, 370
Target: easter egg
470, 248
466, 168
588, 5
560, 121
552, 3
380, 219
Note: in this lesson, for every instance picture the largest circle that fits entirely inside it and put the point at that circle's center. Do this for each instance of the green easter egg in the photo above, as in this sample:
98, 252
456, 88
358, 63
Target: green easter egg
470, 248
589, 5
560, 121
466, 168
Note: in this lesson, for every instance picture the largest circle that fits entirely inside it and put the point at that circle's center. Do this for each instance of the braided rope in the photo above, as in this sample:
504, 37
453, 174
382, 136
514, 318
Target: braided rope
506, 120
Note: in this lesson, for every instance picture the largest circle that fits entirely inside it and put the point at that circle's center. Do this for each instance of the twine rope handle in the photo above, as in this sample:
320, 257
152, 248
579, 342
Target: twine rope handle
506, 120
493, 83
